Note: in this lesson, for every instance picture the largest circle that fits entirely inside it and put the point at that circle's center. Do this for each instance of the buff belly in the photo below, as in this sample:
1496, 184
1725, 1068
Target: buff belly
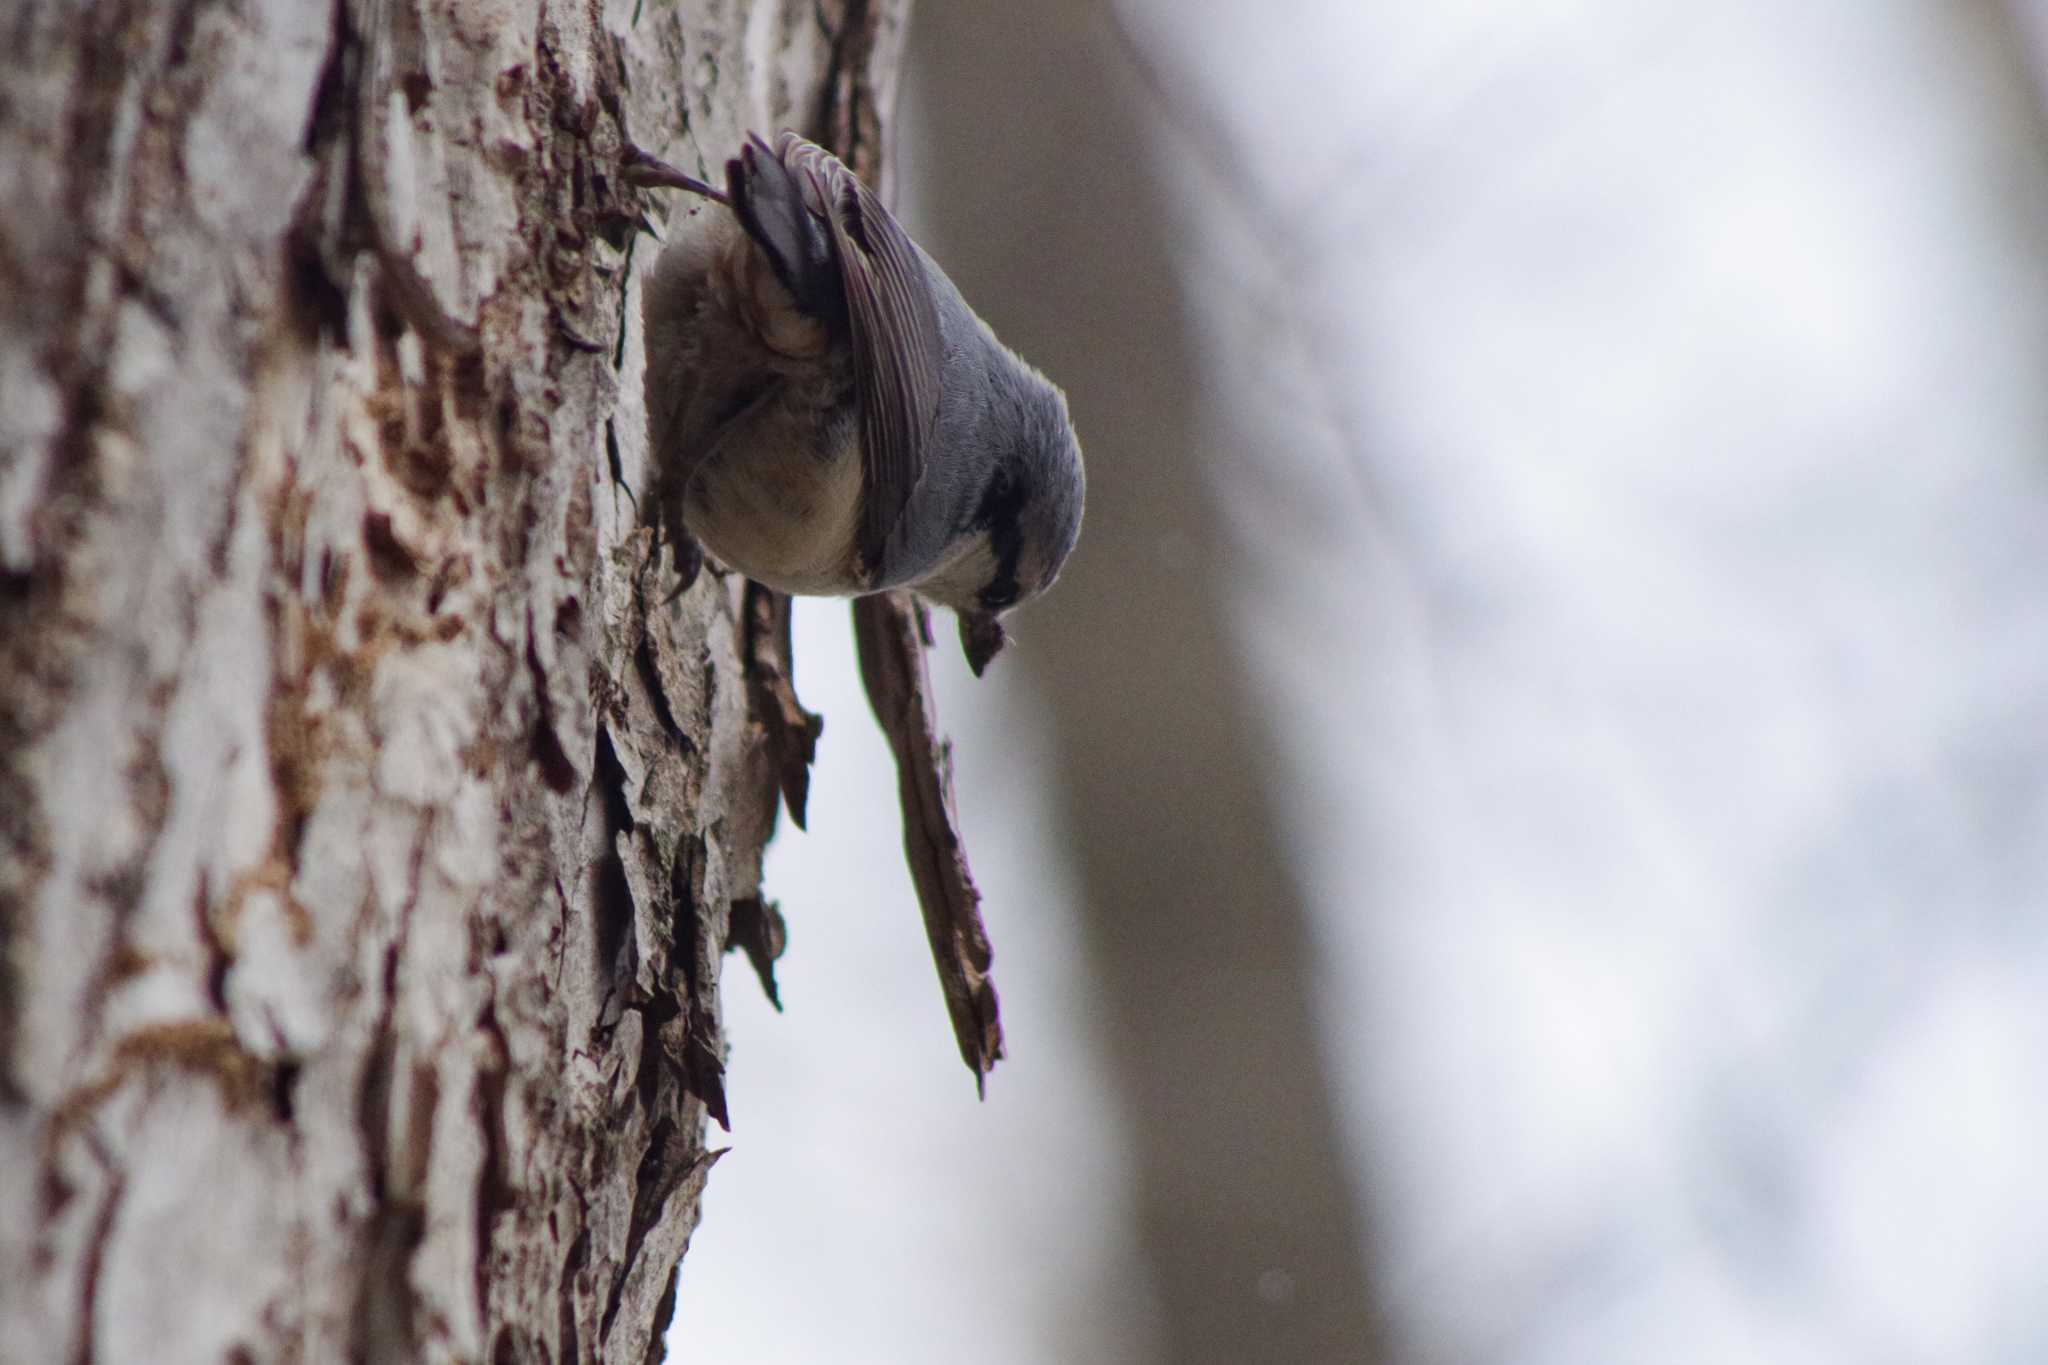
778, 510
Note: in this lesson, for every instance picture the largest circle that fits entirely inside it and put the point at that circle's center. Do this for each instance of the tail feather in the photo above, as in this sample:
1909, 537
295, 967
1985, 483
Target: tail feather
770, 204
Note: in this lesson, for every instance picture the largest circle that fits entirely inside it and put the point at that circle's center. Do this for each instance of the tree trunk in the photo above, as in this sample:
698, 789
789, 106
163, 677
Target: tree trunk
370, 831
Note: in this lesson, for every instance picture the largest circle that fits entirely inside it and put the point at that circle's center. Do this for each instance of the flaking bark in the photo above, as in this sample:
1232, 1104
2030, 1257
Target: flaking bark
368, 831
892, 633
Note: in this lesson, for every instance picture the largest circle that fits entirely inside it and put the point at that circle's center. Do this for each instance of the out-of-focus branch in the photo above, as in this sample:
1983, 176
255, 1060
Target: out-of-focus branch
2021, 27
1196, 922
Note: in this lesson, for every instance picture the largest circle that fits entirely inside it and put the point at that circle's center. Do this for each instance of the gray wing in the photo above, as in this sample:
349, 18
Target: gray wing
896, 344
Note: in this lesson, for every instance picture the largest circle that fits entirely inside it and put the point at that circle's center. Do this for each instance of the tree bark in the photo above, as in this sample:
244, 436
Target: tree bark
370, 831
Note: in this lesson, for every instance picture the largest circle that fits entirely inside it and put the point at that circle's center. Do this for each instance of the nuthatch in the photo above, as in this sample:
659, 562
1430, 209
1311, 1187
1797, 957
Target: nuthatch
826, 413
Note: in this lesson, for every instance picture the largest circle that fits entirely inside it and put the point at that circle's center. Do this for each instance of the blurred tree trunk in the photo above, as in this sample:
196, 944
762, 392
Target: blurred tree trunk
368, 832
1199, 925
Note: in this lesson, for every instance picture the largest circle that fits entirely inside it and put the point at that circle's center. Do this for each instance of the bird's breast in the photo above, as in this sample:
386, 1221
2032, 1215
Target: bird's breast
779, 506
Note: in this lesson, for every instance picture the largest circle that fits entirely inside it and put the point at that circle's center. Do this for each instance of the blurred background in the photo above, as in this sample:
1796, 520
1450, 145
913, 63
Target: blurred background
1522, 835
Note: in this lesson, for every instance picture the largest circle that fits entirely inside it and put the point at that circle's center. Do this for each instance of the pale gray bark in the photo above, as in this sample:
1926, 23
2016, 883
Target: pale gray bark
368, 830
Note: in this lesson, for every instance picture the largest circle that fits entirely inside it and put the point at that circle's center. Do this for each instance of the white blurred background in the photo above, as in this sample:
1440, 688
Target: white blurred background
1523, 834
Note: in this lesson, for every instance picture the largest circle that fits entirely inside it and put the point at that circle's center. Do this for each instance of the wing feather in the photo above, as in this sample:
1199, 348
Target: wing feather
897, 348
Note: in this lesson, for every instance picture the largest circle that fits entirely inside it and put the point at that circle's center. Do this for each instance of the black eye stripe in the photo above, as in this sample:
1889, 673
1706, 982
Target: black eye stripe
1001, 500
1000, 512
1001, 589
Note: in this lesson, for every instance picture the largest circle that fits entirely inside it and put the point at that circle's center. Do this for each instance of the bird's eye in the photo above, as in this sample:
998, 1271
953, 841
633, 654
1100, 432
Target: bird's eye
999, 598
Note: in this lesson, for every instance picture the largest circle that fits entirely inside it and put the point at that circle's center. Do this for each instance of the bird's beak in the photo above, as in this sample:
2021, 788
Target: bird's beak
650, 172
981, 639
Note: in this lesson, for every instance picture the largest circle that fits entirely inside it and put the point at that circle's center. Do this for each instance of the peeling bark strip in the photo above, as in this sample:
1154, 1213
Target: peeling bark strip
888, 629
368, 837
792, 731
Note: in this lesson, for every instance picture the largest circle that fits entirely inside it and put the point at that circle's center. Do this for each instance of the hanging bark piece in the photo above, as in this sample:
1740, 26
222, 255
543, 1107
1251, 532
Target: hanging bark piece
892, 669
757, 929
792, 731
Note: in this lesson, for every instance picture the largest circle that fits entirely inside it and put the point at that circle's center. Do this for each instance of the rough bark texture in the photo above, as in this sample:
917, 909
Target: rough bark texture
368, 830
